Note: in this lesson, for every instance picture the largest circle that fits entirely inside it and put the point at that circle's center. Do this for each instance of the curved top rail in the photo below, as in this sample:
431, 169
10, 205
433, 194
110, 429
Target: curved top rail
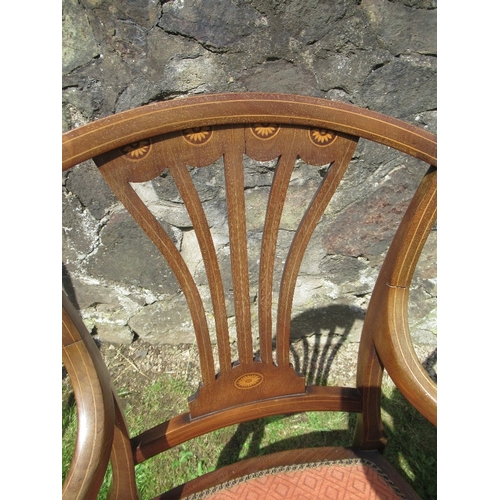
158, 118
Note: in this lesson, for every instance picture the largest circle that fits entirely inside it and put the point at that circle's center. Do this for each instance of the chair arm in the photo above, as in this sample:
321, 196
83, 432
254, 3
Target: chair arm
95, 407
395, 348
389, 305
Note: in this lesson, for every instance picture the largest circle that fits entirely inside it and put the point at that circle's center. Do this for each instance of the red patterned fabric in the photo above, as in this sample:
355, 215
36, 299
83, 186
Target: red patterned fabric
345, 480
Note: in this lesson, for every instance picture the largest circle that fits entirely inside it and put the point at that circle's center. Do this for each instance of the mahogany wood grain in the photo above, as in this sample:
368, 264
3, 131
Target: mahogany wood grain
188, 193
95, 407
274, 211
184, 427
159, 237
389, 323
340, 158
236, 214
163, 117
139, 145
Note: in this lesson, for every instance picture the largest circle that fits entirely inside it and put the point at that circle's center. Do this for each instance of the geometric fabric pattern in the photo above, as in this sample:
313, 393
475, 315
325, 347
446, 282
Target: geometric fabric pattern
350, 479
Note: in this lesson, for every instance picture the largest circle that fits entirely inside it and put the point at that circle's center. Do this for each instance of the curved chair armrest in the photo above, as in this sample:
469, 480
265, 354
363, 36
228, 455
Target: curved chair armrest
95, 407
388, 308
395, 348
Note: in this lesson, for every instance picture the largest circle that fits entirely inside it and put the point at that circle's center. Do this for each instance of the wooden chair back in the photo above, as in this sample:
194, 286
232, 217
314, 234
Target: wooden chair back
186, 134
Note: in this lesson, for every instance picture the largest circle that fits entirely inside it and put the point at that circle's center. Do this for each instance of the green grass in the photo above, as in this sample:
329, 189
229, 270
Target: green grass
411, 443
411, 439
69, 428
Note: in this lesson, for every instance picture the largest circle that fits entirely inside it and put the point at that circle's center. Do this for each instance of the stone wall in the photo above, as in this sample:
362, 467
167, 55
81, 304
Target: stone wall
119, 54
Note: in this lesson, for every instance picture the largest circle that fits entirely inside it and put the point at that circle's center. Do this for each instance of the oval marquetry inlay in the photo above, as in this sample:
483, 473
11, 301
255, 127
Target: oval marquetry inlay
137, 150
264, 130
248, 381
197, 135
322, 136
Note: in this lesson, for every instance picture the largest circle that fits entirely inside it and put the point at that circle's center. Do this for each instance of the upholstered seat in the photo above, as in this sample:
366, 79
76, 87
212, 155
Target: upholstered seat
306, 474
191, 133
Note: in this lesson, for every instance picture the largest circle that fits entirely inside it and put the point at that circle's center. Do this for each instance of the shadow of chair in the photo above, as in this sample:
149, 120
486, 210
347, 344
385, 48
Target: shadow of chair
136, 146
328, 327
317, 336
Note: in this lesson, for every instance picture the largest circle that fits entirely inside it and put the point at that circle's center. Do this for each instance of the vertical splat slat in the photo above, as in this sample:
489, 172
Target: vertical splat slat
233, 164
159, 237
346, 147
192, 201
268, 253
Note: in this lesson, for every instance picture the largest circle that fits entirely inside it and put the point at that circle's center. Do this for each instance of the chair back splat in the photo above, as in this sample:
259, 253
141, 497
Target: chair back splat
184, 135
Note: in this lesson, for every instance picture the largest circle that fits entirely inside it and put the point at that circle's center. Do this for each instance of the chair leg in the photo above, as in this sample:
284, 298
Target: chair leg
123, 483
369, 433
